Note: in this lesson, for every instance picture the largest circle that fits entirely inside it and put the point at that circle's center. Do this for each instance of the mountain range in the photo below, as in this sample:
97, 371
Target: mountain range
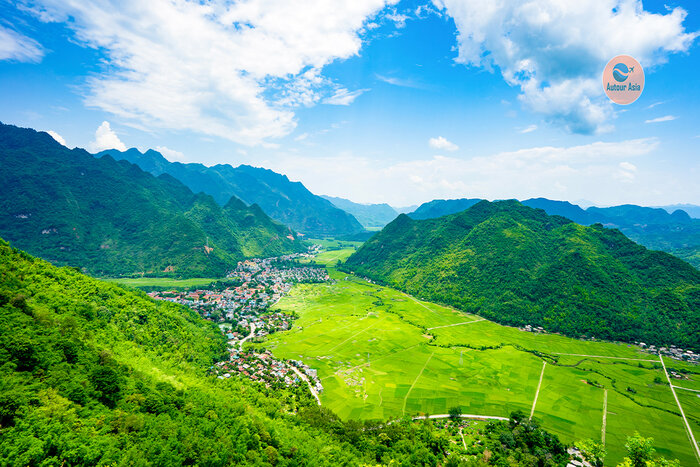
371, 216
675, 232
518, 265
111, 218
283, 200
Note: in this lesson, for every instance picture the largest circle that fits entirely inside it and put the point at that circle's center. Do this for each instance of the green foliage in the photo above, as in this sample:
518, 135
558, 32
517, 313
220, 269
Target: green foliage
593, 452
517, 266
111, 219
455, 412
640, 453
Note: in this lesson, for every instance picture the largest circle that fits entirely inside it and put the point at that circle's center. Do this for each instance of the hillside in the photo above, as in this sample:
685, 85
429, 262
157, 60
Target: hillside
674, 232
442, 207
93, 374
369, 215
281, 199
112, 218
518, 265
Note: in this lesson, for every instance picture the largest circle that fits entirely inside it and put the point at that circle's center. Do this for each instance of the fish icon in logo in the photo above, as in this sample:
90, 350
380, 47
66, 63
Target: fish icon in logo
621, 72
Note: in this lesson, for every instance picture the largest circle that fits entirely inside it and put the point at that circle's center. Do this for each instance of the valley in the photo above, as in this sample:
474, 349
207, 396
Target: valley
382, 354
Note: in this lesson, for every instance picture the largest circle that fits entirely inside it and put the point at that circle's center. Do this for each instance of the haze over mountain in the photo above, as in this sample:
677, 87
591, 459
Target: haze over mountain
283, 200
692, 209
518, 265
369, 215
111, 217
655, 228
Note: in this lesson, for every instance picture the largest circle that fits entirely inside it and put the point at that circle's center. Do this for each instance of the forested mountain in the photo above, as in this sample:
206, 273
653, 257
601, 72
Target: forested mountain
655, 228
93, 374
518, 265
442, 207
112, 218
693, 210
283, 200
369, 215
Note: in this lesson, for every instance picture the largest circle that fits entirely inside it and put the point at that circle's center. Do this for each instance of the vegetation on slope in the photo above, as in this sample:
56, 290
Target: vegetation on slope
518, 265
93, 374
283, 200
112, 218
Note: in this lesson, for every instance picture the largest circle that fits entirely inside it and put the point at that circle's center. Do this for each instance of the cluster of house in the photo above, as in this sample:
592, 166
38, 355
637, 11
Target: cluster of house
672, 352
264, 368
242, 312
529, 328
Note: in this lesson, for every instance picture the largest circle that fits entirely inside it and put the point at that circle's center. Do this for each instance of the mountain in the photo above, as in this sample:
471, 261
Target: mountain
406, 209
442, 207
112, 218
369, 215
93, 374
675, 232
692, 209
518, 265
283, 200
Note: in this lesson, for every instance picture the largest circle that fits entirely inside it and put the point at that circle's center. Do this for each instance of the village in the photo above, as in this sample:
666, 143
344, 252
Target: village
241, 306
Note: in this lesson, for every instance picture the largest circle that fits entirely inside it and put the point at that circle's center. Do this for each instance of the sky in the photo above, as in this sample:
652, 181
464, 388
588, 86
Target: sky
372, 100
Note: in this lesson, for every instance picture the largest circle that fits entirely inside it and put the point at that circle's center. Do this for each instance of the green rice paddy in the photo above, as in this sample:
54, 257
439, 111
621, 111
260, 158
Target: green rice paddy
382, 354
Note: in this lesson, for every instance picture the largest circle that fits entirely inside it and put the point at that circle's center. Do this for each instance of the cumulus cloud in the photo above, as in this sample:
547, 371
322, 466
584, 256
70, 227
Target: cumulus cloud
106, 138
442, 144
15, 46
236, 70
555, 51
57, 137
171, 154
665, 118
555, 172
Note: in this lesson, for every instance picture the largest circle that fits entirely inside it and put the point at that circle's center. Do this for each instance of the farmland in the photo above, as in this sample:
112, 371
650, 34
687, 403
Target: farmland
382, 354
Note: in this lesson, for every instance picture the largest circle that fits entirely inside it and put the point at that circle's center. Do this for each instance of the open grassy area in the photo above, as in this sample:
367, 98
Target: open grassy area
382, 354
146, 282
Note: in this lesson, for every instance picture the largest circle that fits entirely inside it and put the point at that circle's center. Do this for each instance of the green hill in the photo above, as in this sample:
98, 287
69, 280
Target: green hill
112, 218
285, 201
93, 374
518, 265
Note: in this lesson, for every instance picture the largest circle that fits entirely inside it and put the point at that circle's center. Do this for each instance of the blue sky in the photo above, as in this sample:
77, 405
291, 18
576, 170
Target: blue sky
375, 101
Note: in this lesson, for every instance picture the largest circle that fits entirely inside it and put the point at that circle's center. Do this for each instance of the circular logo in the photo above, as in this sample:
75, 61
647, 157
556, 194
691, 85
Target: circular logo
623, 79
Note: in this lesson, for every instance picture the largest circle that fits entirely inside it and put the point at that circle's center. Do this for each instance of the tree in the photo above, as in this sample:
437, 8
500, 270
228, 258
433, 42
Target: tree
592, 451
640, 453
455, 412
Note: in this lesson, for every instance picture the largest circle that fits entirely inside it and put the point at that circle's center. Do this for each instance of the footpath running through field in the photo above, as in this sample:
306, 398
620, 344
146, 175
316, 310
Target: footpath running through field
691, 437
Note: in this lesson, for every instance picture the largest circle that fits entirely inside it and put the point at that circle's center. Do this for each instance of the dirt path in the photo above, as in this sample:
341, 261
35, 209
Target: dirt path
605, 416
687, 389
355, 335
537, 394
457, 324
405, 399
464, 443
471, 416
311, 388
691, 437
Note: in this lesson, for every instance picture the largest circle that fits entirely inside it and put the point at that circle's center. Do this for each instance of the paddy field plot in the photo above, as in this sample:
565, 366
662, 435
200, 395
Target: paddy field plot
145, 282
382, 354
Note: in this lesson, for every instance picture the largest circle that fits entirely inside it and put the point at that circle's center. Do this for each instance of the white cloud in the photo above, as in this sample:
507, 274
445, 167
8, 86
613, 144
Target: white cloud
401, 82
442, 144
555, 51
15, 46
344, 97
171, 154
106, 138
555, 172
236, 70
528, 129
665, 118
57, 137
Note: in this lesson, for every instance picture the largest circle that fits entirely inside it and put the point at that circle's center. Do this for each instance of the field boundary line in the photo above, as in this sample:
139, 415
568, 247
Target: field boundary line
375, 360
604, 356
464, 415
605, 416
691, 436
355, 335
405, 399
412, 298
456, 324
687, 389
537, 393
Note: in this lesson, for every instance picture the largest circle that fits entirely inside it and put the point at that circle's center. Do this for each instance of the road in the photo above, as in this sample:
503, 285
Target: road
252, 333
311, 388
475, 417
537, 394
691, 437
